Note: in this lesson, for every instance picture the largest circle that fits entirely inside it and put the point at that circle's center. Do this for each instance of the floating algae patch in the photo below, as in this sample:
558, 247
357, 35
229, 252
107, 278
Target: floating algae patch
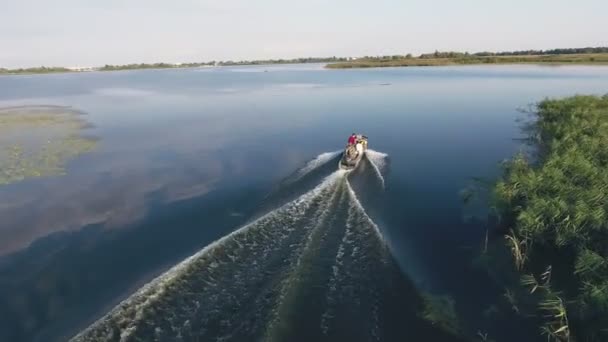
39, 141
440, 310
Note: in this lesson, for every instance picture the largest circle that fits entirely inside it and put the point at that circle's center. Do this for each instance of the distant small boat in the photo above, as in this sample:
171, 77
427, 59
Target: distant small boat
353, 154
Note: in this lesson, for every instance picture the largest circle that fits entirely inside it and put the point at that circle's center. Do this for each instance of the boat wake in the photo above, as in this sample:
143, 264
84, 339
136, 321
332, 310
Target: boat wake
378, 161
314, 164
312, 269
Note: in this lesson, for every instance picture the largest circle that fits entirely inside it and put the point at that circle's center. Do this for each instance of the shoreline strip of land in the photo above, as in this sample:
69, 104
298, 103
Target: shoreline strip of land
579, 56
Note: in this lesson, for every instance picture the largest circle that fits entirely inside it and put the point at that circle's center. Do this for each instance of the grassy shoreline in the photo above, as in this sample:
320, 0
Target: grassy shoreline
565, 59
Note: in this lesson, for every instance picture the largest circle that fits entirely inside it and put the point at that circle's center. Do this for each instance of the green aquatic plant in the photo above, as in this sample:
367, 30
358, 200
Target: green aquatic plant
530, 281
550, 304
49, 160
555, 205
483, 337
590, 263
512, 299
555, 329
556, 317
518, 249
441, 311
39, 141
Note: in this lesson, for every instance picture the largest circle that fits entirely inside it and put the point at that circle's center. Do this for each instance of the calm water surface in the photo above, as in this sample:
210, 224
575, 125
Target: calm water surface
188, 156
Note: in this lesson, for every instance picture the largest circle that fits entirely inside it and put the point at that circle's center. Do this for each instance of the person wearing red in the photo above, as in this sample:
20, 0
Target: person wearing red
352, 139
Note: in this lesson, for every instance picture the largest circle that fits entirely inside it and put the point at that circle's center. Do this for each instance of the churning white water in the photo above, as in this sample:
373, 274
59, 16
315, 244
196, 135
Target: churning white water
250, 283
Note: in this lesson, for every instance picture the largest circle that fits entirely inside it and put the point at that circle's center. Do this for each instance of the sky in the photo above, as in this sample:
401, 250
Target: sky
97, 32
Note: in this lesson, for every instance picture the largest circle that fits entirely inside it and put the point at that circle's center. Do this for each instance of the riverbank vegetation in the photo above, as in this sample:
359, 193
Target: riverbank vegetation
557, 56
39, 141
221, 63
286, 61
136, 66
553, 209
39, 70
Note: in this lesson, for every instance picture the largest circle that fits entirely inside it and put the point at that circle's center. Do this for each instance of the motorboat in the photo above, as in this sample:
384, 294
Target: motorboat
353, 153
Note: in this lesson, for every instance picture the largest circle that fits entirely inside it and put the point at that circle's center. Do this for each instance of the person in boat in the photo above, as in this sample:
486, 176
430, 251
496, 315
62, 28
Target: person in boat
354, 147
352, 139
363, 140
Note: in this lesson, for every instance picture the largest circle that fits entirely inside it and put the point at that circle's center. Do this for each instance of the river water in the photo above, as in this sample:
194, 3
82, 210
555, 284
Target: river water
226, 179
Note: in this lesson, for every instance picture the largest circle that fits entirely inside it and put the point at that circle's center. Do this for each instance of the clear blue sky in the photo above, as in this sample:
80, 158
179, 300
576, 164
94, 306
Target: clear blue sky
96, 32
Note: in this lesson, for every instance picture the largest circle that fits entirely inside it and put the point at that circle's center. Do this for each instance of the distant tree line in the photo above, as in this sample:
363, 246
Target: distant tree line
286, 61
546, 52
133, 66
223, 63
454, 54
38, 70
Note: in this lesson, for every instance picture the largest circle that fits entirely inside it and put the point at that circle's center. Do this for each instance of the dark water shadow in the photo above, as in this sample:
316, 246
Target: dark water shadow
447, 247
296, 184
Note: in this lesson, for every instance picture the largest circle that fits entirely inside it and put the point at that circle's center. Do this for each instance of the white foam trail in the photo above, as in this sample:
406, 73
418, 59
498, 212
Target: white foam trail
278, 250
350, 252
378, 161
379, 158
375, 319
289, 285
151, 292
313, 164
336, 273
359, 207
